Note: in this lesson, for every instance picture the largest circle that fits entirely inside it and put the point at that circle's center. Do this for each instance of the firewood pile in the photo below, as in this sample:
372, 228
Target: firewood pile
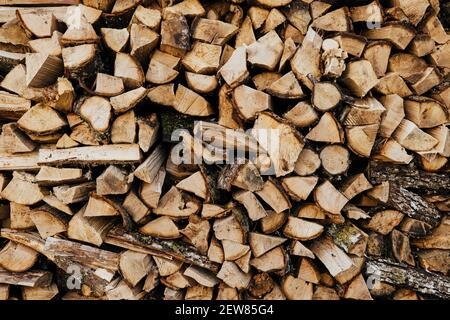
239, 149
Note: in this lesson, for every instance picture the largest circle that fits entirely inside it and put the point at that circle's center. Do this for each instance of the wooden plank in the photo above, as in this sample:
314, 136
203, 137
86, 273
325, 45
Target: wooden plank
9, 13
105, 154
38, 2
19, 161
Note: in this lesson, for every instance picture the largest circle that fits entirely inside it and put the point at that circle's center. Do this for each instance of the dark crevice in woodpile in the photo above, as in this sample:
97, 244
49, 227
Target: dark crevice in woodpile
138, 161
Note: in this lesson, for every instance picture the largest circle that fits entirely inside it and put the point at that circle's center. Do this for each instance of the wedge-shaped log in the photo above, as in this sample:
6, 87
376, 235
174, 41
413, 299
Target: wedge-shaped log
359, 77
92, 230
283, 146
266, 52
329, 198
399, 34
41, 120
409, 135
300, 229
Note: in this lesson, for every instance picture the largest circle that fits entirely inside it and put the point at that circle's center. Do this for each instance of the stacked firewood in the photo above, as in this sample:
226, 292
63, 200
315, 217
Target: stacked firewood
118, 119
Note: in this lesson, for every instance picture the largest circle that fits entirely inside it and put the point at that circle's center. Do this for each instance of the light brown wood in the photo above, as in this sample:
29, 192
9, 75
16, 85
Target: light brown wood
92, 230
334, 259
128, 100
300, 229
176, 204
118, 153
115, 39
332, 134
273, 221
134, 266
42, 69
299, 188
283, 159
248, 101
113, 180
407, 130
329, 198
49, 221
38, 293
69, 194
359, 77
41, 120
306, 60
399, 34
129, 69
15, 257
22, 189
335, 159
296, 288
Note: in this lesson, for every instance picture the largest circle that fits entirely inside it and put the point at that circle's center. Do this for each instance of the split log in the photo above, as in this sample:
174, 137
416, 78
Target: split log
299, 188
49, 221
329, 198
248, 102
129, 69
335, 159
37, 293
436, 239
203, 58
115, 39
74, 193
88, 229
113, 181
175, 38
296, 288
325, 96
99, 206
273, 221
135, 206
300, 229
283, 159
307, 163
349, 237
306, 60
12, 106
108, 86
359, 77
16, 257
22, 189
434, 260
333, 132
42, 69
233, 276
412, 204
234, 71
399, 34
334, 259
272, 45
134, 266
128, 100
41, 120
79, 61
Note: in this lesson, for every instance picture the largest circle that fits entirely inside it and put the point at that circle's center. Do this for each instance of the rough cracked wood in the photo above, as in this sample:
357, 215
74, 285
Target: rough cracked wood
414, 278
